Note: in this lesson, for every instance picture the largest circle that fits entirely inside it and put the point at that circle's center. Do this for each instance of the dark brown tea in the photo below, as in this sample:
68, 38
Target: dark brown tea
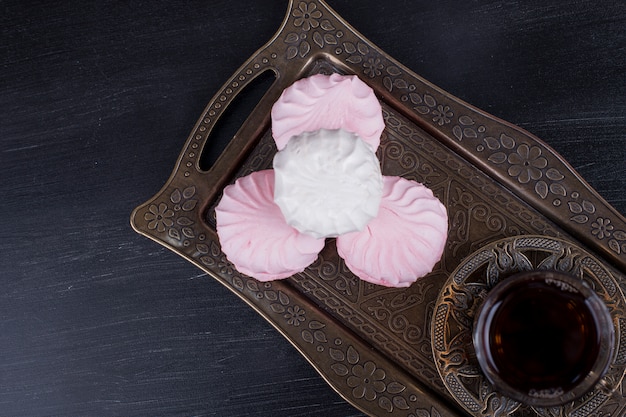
540, 337
543, 338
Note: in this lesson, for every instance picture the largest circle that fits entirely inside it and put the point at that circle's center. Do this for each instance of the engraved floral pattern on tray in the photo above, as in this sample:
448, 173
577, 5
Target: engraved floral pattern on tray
508, 151
496, 181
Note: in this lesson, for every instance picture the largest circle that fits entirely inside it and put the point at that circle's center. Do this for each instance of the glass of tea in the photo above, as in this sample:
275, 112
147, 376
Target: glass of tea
543, 338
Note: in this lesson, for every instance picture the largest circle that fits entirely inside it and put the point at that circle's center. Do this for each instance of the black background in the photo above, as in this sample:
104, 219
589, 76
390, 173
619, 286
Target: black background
97, 100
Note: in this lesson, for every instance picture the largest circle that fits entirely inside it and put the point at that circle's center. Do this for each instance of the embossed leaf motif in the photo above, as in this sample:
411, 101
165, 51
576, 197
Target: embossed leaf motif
327, 25
394, 71
292, 52
330, 39
327, 38
424, 110
430, 100
585, 206
554, 174
252, 285
340, 369
558, 189
176, 196
317, 38
271, 295
189, 192
189, 205
580, 219
283, 298
305, 47
174, 234
349, 47
294, 314
415, 98
400, 402
492, 143
620, 235
507, 141
320, 336
541, 188
385, 404
466, 120
184, 221
498, 158
307, 336
458, 132
395, 388
238, 283
589, 207
614, 245
400, 83
469, 132
352, 355
207, 260
316, 325
574, 207
277, 308
292, 38
336, 354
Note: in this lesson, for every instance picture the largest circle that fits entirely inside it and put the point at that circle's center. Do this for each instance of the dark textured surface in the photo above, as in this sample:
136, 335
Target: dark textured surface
96, 103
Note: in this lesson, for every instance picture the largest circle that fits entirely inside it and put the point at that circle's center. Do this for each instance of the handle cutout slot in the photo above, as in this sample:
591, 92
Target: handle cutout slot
233, 117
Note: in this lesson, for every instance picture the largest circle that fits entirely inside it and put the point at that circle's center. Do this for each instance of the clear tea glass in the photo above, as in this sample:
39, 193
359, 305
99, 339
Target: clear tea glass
543, 338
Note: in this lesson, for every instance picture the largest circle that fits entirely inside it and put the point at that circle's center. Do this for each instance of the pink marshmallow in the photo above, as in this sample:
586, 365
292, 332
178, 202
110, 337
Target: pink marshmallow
404, 242
328, 102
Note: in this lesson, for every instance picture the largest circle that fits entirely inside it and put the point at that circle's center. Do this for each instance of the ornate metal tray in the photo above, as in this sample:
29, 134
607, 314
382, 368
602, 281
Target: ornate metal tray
373, 344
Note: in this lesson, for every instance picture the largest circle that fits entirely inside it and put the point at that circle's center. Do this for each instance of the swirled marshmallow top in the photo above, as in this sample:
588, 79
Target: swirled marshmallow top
328, 182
